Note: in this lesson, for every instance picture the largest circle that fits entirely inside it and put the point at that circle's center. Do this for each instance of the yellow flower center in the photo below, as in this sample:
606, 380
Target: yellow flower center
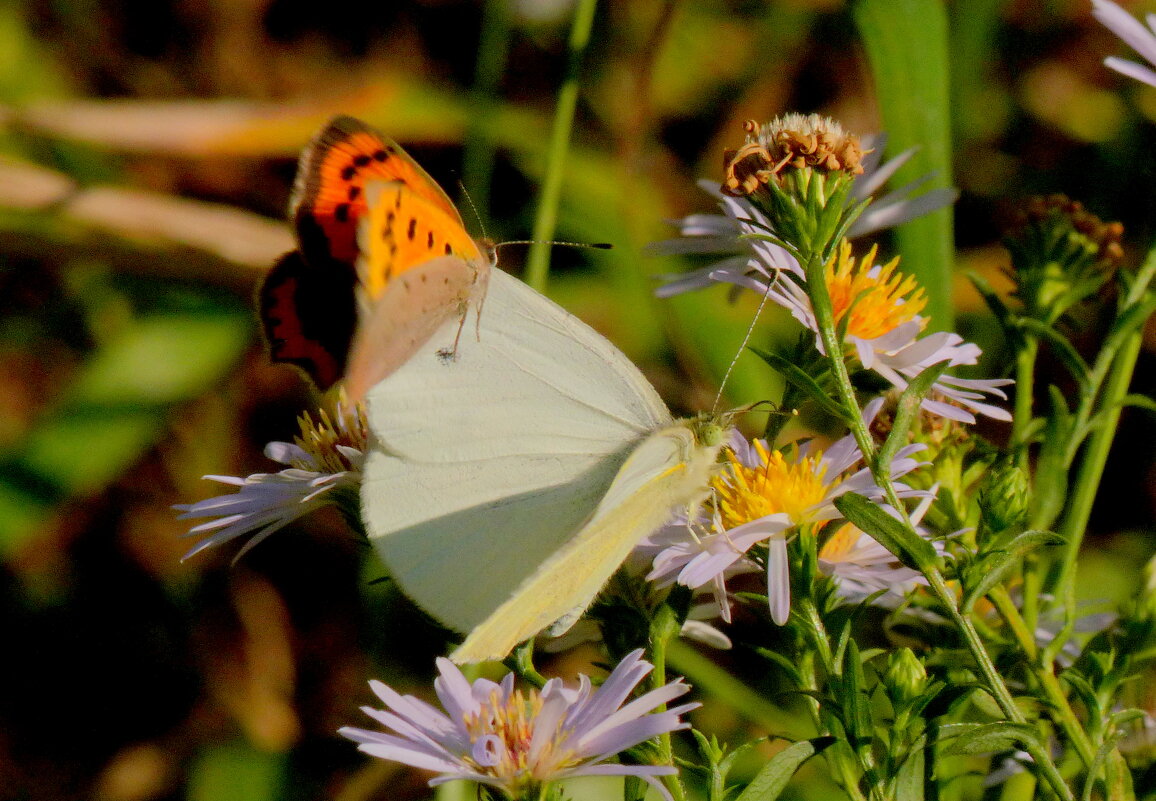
773, 486
875, 300
508, 723
841, 543
320, 439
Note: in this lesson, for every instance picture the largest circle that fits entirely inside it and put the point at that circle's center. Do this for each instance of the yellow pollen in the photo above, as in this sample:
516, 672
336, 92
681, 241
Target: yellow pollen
320, 439
773, 486
513, 720
875, 301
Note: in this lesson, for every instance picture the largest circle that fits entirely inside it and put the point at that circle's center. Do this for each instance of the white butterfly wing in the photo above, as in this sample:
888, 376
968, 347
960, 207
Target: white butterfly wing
487, 463
669, 469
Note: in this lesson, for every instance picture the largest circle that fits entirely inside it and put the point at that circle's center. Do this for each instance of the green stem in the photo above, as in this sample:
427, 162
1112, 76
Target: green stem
824, 317
1061, 707
1025, 382
538, 261
1095, 458
664, 631
841, 756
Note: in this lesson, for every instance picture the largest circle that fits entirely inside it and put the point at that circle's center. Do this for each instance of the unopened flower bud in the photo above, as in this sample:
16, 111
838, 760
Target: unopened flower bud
1003, 498
905, 677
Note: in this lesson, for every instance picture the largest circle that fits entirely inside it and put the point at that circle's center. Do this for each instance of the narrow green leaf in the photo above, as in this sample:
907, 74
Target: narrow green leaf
996, 562
1065, 350
773, 778
985, 738
1050, 485
906, 42
798, 378
1118, 778
994, 302
1140, 402
858, 712
911, 777
907, 411
911, 549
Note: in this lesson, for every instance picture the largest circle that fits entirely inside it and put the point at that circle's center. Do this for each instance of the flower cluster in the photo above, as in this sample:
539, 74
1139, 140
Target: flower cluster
516, 741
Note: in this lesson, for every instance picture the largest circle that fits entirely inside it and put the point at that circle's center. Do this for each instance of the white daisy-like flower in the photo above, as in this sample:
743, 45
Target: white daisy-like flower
741, 229
326, 459
759, 497
862, 567
878, 309
517, 741
1140, 38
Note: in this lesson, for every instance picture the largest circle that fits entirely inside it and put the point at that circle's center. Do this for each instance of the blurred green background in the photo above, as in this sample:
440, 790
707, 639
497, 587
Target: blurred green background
147, 149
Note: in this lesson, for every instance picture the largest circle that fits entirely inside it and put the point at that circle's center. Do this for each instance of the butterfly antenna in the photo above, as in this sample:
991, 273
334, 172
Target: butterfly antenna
482, 228
596, 245
746, 339
473, 208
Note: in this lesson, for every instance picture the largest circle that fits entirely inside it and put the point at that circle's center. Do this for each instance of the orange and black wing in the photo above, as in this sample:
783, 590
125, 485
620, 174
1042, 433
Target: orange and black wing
309, 314
329, 196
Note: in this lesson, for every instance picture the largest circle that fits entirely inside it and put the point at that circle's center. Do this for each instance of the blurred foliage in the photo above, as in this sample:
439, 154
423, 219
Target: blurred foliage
147, 149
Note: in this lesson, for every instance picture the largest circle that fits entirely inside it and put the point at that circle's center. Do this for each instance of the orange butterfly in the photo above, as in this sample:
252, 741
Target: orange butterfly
383, 260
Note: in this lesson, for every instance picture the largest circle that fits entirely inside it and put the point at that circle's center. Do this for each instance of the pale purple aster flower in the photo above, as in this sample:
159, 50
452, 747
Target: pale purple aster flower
517, 741
1134, 34
324, 461
884, 331
742, 230
761, 496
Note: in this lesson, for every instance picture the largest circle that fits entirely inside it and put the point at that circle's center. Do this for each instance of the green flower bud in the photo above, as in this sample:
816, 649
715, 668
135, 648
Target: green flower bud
1003, 498
905, 677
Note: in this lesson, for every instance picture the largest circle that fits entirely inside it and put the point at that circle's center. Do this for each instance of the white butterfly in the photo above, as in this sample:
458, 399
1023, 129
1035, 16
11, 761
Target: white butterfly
505, 486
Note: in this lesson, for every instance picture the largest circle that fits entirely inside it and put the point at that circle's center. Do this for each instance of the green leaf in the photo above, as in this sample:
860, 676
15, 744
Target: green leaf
1064, 349
799, 379
1139, 401
910, 778
858, 721
991, 568
907, 410
906, 42
911, 549
1050, 485
985, 738
789, 667
773, 778
994, 302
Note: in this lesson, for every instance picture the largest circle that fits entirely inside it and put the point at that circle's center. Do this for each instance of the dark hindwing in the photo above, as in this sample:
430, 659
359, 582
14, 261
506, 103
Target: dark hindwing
308, 315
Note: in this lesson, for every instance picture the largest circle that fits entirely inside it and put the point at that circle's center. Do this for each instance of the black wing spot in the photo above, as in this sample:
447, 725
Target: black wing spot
348, 173
354, 192
449, 250
361, 160
381, 154
429, 240
411, 231
341, 212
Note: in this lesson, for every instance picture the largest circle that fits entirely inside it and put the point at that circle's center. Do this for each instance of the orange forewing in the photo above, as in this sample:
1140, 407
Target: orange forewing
329, 197
308, 303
